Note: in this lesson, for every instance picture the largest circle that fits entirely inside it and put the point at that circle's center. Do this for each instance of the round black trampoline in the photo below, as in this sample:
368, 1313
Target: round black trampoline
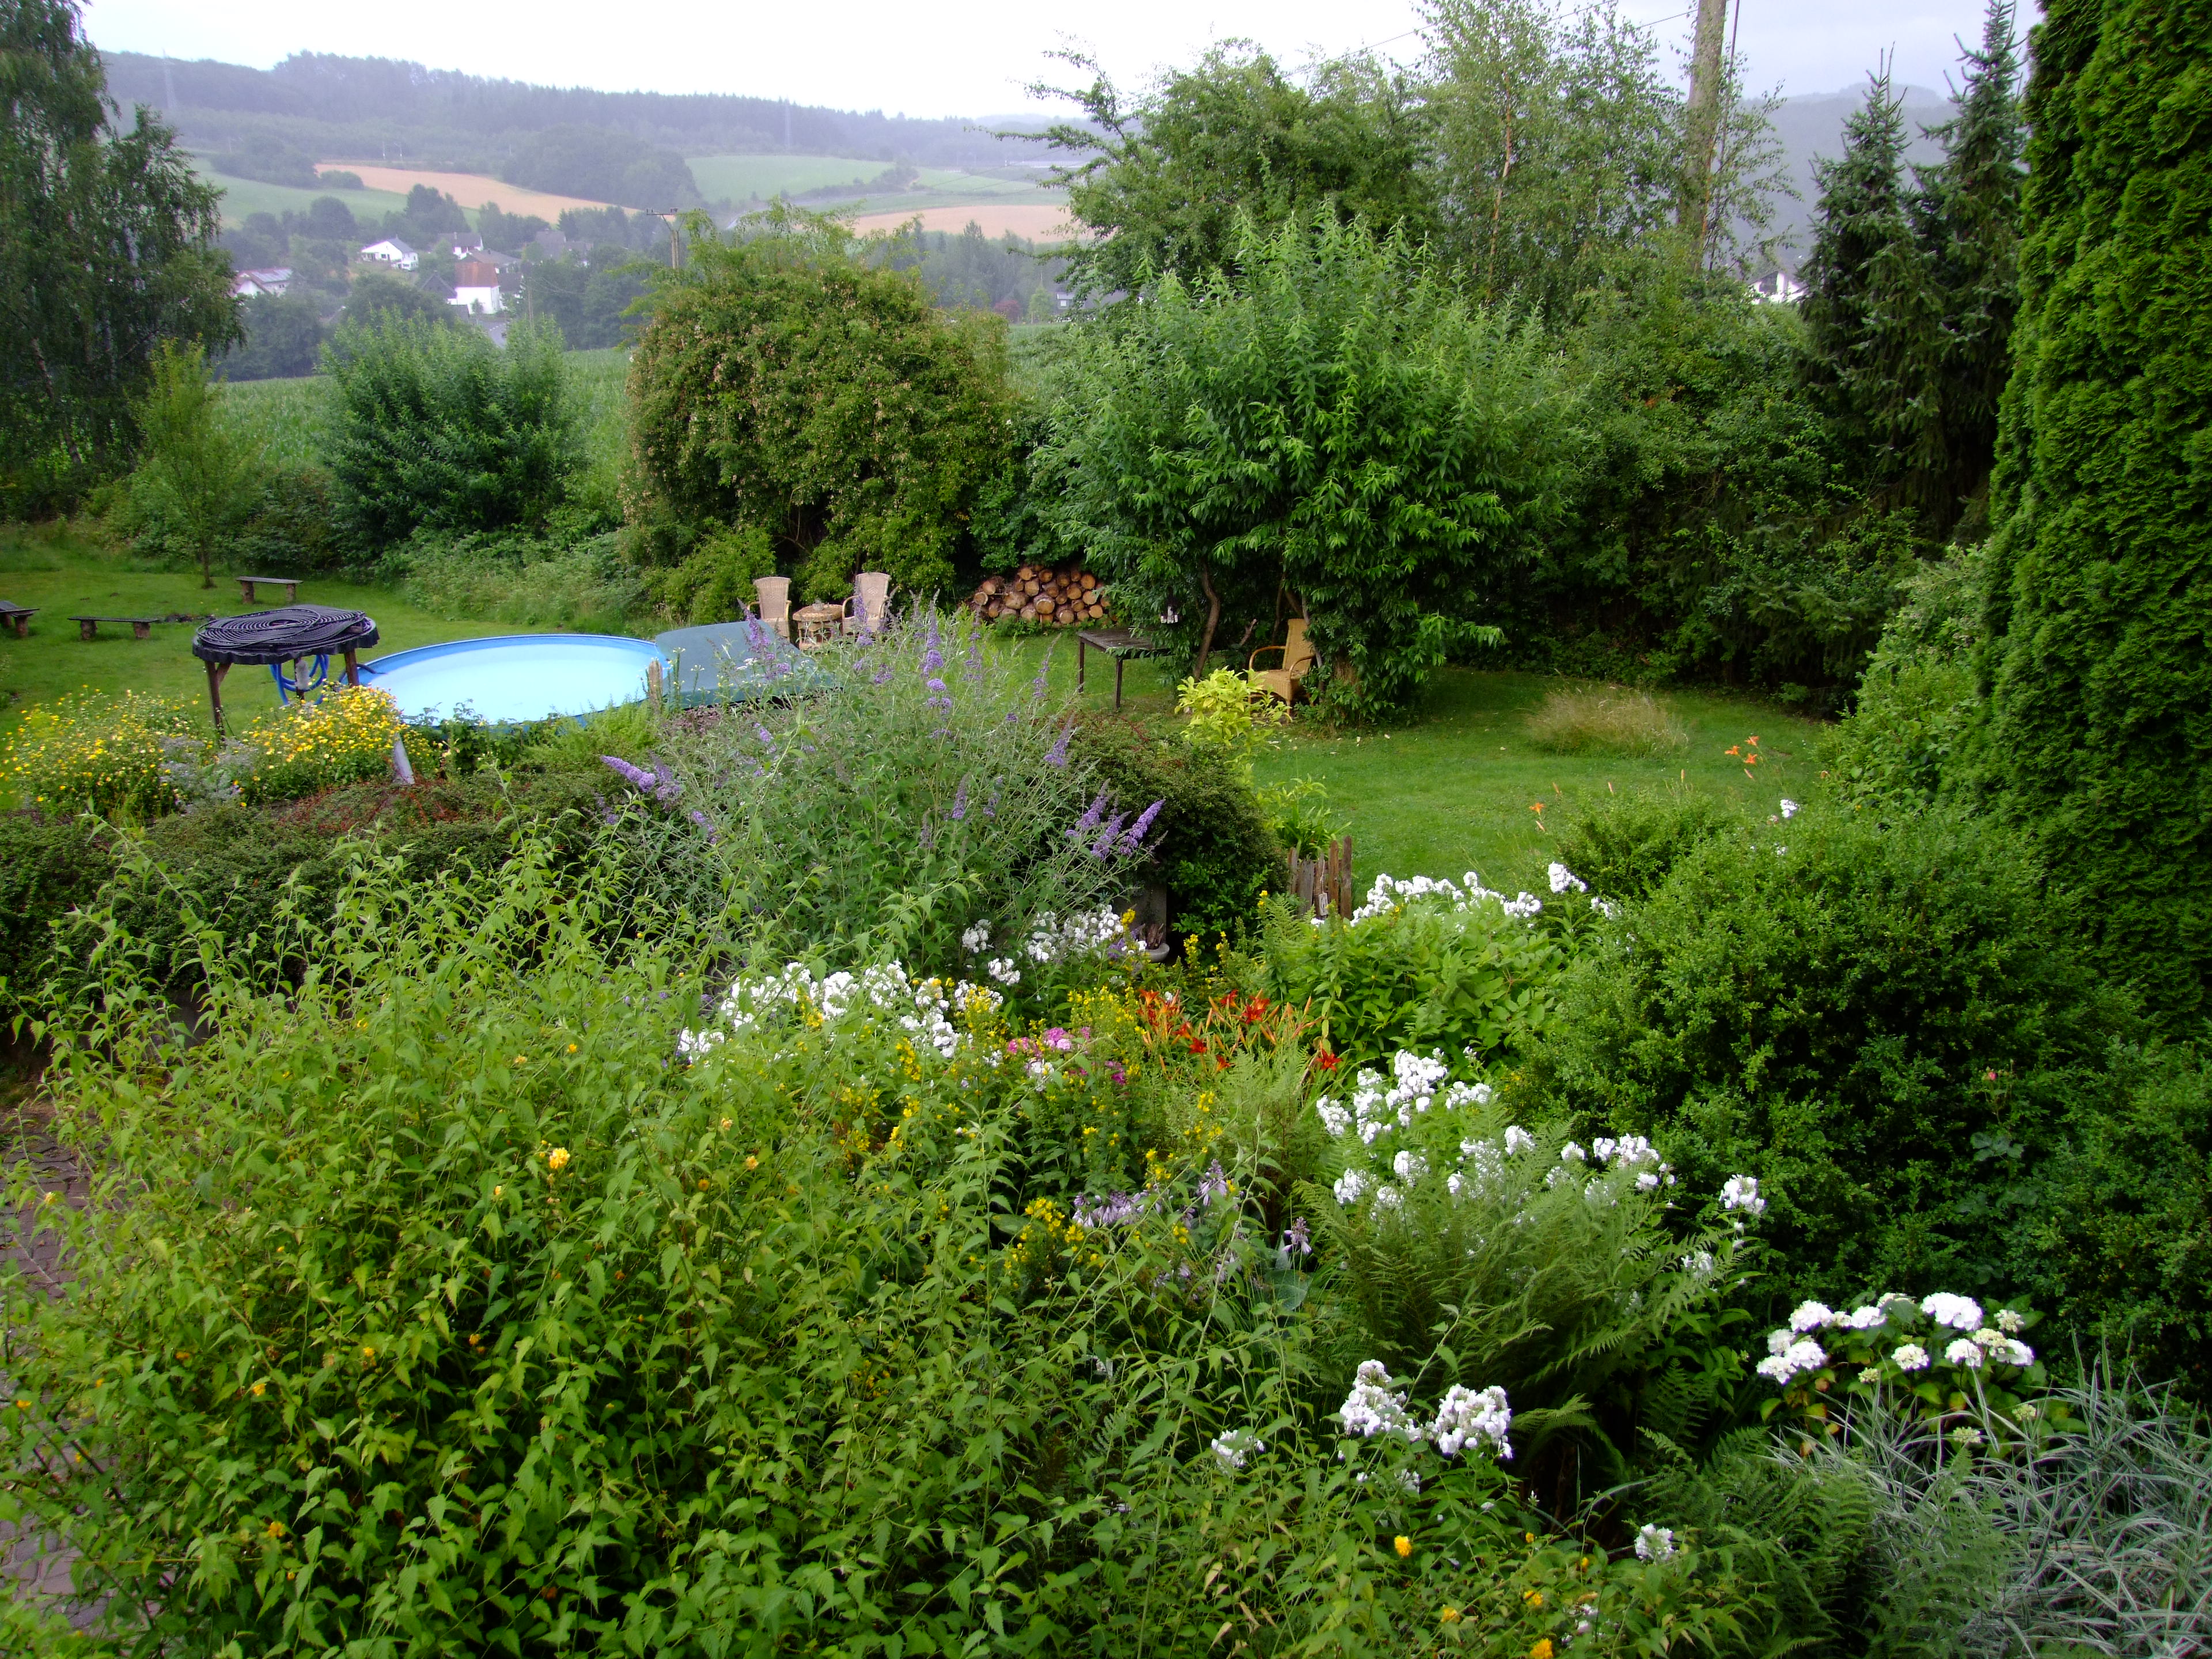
290, 632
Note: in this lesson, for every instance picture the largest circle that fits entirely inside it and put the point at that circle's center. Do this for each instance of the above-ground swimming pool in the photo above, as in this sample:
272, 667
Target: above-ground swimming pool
515, 677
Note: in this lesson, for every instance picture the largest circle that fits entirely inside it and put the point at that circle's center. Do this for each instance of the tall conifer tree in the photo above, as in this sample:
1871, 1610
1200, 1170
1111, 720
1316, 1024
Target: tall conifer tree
2100, 615
1870, 307
1968, 216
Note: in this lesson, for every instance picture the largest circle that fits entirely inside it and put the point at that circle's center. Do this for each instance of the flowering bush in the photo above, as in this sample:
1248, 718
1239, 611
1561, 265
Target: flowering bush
932, 792
1422, 962
1936, 1358
442, 1302
344, 737
98, 752
1221, 719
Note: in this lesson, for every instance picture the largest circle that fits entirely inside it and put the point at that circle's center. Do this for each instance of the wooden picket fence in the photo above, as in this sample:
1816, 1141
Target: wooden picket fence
1322, 886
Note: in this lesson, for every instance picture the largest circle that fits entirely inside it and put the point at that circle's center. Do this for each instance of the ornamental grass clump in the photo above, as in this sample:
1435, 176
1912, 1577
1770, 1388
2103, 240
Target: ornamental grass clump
1611, 721
926, 807
438, 1299
94, 751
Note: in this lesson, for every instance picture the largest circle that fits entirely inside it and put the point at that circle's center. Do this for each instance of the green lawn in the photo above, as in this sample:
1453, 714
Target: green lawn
60, 572
1451, 792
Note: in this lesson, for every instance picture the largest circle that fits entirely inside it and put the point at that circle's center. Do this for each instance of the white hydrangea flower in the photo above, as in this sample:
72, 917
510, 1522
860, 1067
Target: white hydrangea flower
1800, 1358
1961, 1313
1911, 1356
1864, 1319
1811, 1316
1564, 878
1964, 1352
1741, 1193
1653, 1543
1371, 1408
2010, 1323
1468, 1418
2013, 1351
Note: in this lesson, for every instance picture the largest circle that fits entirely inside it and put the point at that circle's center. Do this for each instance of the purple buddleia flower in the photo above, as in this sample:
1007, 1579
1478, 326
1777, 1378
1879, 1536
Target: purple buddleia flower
700, 818
974, 658
1057, 754
1134, 840
960, 801
933, 660
667, 791
991, 806
1104, 844
1089, 821
761, 733
1037, 685
938, 696
882, 675
628, 773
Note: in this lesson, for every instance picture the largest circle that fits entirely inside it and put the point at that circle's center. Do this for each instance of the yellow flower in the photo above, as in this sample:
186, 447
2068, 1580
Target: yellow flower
572, 1048
557, 1158
1542, 1650
1449, 1615
1402, 1544
751, 1162
368, 1354
1534, 1598
276, 1530
260, 1388
496, 1191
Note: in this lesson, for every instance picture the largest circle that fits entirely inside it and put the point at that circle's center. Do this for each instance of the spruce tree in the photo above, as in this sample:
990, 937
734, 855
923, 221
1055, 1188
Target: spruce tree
2100, 613
1872, 314
1968, 223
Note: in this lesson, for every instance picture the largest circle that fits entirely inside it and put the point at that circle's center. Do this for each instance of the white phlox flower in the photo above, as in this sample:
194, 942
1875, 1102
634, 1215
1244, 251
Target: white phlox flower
1003, 969
1811, 1316
1455, 1184
1409, 1167
1517, 1140
1961, 1313
1468, 1418
1090, 932
1459, 1095
1236, 1446
695, 1045
1562, 879
1964, 1351
1911, 1356
1389, 1198
1789, 808
1571, 1153
1371, 1408
1334, 1117
1741, 1193
975, 937
1348, 1188
1653, 1543
1525, 907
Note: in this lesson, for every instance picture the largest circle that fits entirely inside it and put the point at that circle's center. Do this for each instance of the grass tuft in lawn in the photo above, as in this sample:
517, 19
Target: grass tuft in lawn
1592, 720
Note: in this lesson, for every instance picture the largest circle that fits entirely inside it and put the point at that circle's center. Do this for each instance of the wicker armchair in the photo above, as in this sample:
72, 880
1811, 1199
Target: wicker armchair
775, 594
1298, 660
870, 604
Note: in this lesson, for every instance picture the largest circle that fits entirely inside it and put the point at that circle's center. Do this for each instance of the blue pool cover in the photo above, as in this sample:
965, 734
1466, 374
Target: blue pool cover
515, 677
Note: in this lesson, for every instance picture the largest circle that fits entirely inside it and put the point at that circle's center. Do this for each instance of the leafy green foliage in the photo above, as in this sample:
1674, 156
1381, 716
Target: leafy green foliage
107, 250
1627, 845
48, 866
785, 385
284, 338
1913, 732
602, 164
439, 428
1210, 848
541, 580
2101, 575
1888, 1024
1234, 135
202, 472
535, 1338
1339, 424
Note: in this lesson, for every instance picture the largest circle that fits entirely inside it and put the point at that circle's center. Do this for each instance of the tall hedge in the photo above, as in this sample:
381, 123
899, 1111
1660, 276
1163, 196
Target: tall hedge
2101, 657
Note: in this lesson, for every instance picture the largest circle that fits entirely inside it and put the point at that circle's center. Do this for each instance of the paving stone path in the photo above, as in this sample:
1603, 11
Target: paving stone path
37, 1564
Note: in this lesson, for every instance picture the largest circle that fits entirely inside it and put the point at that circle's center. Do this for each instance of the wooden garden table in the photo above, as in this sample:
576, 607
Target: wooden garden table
1116, 642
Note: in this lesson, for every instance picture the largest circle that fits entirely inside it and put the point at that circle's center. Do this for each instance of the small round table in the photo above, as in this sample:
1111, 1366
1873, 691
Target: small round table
818, 624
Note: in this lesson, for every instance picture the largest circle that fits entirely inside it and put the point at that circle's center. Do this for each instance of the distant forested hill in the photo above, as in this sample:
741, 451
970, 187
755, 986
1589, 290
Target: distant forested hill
379, 107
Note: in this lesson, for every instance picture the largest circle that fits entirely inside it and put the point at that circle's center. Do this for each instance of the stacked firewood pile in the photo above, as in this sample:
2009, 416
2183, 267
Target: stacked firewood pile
1037, 593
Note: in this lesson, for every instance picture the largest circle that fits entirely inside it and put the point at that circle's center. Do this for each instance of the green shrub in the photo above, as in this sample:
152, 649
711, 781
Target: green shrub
784, 383
48, 866
437, 1306
714, 582
1887, 1024
1422, 965
1918, 708
1626, 845
438, 428
529, 581
1210, 848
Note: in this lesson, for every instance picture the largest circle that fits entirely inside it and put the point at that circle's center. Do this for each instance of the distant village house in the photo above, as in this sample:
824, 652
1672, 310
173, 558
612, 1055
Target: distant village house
475, 288
392, 252
251, 282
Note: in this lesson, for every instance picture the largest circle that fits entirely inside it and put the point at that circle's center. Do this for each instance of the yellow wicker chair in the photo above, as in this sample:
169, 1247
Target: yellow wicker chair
1297, 661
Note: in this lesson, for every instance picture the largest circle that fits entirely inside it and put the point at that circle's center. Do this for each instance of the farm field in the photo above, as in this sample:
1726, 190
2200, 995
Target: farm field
471, 189
243, 197
1038, 221
741, 178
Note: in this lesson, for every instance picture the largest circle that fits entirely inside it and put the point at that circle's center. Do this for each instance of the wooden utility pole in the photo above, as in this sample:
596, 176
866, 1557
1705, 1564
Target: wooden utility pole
1702, 123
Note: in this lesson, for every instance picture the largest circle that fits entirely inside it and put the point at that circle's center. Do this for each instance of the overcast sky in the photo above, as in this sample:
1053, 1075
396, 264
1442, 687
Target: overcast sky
962, 60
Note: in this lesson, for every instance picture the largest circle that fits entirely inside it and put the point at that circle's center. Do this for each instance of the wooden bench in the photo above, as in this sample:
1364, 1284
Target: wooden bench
142, 628
17, 616
247, 586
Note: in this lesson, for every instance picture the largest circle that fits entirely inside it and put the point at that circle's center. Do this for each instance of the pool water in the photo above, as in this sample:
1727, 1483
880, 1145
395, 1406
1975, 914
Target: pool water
515, 677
